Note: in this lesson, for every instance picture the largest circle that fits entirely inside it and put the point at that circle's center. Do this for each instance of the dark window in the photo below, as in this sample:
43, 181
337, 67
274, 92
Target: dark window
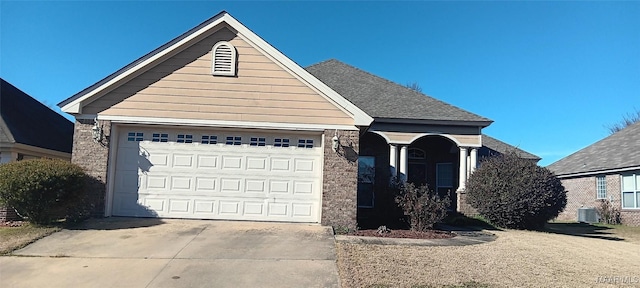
209, 139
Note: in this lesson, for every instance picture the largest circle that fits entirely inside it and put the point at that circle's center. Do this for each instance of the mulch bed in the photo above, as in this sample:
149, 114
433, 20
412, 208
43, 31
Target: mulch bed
430, 234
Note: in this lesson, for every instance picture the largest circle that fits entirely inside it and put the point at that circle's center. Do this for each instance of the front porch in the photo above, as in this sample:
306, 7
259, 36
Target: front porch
442, 161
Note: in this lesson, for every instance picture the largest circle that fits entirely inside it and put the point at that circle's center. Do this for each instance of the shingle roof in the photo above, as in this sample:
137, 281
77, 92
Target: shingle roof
381, 98
26, 121
502, 147
619, 151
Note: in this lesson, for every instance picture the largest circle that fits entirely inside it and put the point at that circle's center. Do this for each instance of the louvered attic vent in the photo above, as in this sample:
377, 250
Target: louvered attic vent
224, 59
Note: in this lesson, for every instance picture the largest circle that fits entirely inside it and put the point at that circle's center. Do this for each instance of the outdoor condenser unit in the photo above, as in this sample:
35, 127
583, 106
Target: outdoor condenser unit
587, 215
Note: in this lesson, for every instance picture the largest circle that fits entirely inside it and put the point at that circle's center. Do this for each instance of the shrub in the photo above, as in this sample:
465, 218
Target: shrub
608, 213
422, 206
516, 193
42, 190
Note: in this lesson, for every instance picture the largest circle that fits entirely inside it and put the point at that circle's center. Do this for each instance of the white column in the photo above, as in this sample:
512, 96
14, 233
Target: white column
393, 160
404, 164
474, 160
462, 180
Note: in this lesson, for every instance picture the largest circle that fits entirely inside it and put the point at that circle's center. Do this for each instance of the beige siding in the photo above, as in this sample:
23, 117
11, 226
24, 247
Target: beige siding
468, 140
183, 87
407, 137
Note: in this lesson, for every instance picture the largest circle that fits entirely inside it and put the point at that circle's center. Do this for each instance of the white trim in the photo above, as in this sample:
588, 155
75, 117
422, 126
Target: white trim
34, 151
221, 123
593, 173
111, 168
420, 135
360, 117
635, 191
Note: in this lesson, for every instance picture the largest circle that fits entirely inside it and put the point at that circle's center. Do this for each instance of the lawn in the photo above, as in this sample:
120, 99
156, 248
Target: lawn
566, 255
12, 238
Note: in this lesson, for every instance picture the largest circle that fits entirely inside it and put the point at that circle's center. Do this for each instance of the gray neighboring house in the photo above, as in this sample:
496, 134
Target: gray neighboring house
219, 124
608, 169
29, 129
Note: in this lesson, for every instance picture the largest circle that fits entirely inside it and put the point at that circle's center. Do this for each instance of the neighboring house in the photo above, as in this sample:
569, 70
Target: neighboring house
218, 124
29, 129
608, 169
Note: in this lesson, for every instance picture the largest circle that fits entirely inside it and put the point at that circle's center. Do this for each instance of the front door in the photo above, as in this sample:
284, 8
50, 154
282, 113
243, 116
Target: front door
417, 167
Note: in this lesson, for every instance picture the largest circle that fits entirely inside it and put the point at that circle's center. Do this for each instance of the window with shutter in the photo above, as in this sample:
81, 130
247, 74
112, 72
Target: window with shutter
224, 59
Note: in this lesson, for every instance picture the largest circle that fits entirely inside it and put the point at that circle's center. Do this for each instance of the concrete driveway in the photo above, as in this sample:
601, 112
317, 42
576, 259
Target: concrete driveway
130, 252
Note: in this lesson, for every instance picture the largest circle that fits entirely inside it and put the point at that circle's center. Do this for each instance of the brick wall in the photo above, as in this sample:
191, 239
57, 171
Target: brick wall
465, 208
581, 192
93, 157
340, 180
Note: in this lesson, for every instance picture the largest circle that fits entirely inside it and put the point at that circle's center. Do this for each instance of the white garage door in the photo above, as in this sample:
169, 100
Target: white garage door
218, 174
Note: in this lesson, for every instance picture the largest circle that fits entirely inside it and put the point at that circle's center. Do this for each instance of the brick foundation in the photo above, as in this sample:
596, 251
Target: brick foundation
465, 208
8, 214
93, 157
340, 180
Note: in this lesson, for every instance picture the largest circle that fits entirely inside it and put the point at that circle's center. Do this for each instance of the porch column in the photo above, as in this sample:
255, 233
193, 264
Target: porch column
393, 160
474, 160
403, 163
462, 179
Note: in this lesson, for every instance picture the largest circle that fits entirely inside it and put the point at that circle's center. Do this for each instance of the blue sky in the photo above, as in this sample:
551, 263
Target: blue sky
551, 75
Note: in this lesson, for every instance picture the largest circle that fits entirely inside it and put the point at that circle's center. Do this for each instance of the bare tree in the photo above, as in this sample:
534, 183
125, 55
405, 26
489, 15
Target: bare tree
628, 119
414, 86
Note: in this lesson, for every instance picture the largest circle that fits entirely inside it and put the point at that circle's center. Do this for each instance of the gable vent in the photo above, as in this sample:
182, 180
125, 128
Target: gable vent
224, 59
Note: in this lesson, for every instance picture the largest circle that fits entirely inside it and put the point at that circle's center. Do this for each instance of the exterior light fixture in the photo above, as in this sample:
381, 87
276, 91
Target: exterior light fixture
96, 131
335, 142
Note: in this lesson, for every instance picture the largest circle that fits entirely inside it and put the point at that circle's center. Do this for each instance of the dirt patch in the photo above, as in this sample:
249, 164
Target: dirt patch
430, 234
514, 259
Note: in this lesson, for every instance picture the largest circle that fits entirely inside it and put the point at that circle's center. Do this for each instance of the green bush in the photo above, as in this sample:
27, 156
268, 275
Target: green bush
516, 193
42, 190
422, 207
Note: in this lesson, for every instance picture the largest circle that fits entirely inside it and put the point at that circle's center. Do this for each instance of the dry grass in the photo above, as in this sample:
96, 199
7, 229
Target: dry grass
12, 238
515, 259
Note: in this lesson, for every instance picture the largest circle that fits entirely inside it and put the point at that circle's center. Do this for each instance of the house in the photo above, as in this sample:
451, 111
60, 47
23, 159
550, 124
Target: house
218, 124
23, 135
608, 169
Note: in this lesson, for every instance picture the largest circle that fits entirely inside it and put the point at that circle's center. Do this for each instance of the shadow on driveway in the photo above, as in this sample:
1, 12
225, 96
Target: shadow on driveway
581, 230
116, 223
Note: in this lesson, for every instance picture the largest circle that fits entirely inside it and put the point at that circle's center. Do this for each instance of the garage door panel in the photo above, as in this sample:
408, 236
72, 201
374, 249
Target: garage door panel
208, 161
204, 207
232, 162
253, 208
230, 185
215, 180
205, 184
280, 164
181, 183
179, 205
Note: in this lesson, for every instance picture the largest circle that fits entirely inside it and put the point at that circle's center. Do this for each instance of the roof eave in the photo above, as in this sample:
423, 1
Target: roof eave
597, 172
435, 122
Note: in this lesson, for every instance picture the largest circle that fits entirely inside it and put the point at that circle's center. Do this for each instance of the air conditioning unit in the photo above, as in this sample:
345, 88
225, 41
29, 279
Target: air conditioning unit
587, 215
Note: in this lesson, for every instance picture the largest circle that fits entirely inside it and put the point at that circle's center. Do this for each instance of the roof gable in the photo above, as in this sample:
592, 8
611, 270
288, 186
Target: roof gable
75, 103
48, 130
383, 99
620, 150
